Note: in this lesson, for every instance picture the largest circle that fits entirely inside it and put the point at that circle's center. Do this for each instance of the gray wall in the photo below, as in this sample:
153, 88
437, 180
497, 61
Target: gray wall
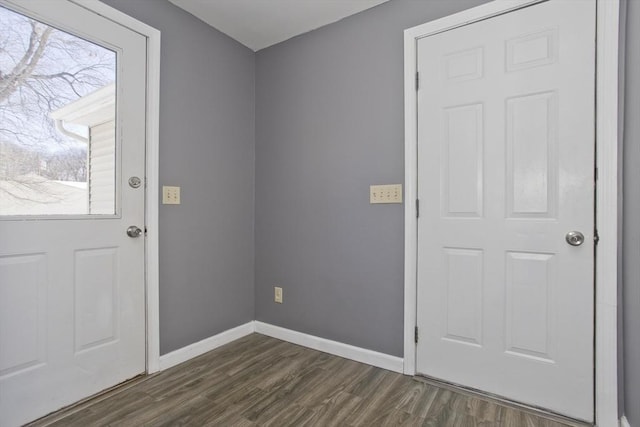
329, 122
207, 148
631, 249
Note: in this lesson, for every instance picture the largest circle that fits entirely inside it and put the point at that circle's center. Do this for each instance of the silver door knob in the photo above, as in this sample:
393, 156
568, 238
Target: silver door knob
135, 182
134, 231
575, 238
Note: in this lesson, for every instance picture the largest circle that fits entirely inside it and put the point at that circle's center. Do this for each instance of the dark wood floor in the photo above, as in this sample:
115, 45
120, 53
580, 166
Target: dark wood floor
261, 381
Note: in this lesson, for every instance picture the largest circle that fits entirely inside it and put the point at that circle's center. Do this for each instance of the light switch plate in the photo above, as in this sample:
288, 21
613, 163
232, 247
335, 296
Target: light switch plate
170, 195
391, 193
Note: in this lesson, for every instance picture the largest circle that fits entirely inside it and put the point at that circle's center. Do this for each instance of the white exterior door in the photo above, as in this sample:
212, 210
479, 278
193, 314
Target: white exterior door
72, 308
505, 171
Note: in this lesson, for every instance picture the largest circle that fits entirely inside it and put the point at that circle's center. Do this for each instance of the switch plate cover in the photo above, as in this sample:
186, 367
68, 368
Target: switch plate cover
391, 193
170, 195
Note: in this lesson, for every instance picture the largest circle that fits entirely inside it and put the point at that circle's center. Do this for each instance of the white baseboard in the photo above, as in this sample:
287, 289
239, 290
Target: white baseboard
196, 349
624, 422
370, 357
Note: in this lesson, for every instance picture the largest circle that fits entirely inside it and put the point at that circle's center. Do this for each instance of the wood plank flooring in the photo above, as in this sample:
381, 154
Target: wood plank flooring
262, 381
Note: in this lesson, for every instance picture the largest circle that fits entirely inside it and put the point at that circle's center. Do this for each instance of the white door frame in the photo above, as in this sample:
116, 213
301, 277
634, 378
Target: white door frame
152, 166
606, 279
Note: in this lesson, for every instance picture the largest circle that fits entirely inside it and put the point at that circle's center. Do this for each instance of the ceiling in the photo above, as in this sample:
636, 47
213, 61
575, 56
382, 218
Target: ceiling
261, 23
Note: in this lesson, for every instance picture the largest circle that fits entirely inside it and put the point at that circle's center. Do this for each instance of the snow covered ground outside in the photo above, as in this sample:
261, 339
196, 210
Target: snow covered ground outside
34, 195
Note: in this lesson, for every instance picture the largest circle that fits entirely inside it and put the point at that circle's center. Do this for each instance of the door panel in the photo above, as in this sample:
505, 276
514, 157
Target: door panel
532, 159
22, 302
463, 167
72, 308
464, 295
95, 296
505, 170
529, 282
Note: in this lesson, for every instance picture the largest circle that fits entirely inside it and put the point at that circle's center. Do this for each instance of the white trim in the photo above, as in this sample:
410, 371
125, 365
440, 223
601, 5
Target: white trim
153, 190
370, 357
607, 189
196, 349
152, 166
466, 17
624, 422
410, 196
607, 213
93, 109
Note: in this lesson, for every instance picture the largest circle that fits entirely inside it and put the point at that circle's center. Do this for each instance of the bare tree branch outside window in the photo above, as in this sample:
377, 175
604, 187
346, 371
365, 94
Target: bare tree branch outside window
41, 70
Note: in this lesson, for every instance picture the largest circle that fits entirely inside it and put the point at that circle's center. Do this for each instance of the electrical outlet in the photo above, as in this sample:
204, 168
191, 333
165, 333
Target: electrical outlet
170, 195
277, 297
391, 193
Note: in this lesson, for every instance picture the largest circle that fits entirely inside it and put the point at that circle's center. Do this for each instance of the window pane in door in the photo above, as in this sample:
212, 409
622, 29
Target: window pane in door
57, 121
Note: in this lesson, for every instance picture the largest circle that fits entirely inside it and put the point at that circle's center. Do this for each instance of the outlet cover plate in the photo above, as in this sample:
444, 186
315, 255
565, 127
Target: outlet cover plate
277, 294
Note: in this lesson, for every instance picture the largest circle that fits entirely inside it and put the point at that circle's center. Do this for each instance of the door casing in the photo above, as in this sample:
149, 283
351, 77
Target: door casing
607, 186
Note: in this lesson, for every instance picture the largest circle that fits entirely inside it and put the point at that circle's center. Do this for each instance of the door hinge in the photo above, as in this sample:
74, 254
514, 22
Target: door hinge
596, 237
415, 335
417, 81
596, 174
417, 208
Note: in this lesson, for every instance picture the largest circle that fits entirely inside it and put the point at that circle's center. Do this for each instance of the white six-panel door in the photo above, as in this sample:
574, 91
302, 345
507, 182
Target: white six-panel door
72, 310
505, 171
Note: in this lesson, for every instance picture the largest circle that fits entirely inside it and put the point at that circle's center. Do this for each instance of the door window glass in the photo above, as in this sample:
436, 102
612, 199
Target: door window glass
57, 121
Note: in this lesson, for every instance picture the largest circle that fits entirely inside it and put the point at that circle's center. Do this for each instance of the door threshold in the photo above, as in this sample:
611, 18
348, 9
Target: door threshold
534, 410
81, 404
